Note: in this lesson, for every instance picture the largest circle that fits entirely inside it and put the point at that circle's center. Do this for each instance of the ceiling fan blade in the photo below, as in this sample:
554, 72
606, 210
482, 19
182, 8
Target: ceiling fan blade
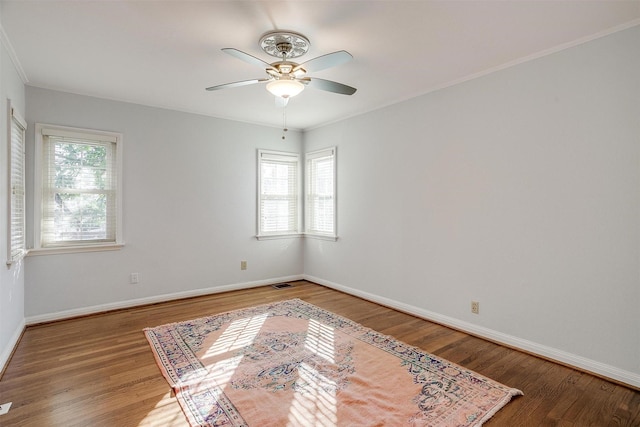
328, 85
237, 84
248, 58
324, 61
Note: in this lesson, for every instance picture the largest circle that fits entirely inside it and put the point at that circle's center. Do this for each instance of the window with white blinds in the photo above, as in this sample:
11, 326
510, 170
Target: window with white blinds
279, 193
16, 247
320, 194
80, 187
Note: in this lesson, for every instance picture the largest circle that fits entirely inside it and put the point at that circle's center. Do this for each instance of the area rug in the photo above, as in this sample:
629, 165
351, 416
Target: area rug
291, 363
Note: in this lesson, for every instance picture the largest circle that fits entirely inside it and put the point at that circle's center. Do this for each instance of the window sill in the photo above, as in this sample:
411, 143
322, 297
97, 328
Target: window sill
322, 237
75, 249
17, 259
296, 236
278, 236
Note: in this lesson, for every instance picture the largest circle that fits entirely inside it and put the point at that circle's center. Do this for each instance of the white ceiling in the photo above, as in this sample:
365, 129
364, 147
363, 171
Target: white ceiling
165, 53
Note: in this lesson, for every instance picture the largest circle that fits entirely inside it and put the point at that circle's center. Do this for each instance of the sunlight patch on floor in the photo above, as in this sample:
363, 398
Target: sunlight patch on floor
315, 404
240, 333
220, 374
320, 340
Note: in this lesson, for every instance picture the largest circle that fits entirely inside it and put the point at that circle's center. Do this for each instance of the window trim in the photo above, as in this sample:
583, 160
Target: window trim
89, 134
330, 151
14, 115
260, 235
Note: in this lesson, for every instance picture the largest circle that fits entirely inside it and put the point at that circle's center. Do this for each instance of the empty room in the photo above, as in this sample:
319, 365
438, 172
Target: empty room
320, 213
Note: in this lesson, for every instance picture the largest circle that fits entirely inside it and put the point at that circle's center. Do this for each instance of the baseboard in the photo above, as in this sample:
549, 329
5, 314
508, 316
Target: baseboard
84, 311
628, 378
11, 346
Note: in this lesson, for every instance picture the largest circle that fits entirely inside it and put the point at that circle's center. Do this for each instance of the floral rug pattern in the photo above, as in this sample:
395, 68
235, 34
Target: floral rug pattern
292, 363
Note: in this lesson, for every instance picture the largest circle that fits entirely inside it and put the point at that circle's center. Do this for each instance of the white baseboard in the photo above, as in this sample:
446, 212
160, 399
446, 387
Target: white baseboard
582, 363
66, 314
11, 345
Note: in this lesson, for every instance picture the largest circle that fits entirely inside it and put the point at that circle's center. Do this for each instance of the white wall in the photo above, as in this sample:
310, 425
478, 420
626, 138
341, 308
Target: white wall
11, 279
189, 209
518, 189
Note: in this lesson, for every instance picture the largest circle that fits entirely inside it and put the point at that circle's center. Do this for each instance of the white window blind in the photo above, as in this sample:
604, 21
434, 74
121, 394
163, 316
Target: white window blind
16, 245
80, 196
278, 200
320, 201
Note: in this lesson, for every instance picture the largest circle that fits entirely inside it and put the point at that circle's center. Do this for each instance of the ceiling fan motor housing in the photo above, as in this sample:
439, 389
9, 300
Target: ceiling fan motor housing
284, 48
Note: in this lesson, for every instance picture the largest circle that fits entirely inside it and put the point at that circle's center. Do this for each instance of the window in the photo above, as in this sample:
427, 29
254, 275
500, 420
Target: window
16, 240
320, 195
279, 194
78, 198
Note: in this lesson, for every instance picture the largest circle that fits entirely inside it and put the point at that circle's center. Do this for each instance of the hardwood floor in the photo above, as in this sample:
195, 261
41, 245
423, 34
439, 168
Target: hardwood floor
99, 370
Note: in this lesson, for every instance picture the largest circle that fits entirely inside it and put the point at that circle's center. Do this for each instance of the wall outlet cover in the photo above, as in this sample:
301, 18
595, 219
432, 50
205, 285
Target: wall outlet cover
475, 307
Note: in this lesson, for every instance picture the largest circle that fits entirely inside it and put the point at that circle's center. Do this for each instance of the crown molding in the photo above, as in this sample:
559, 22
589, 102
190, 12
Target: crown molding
4, 38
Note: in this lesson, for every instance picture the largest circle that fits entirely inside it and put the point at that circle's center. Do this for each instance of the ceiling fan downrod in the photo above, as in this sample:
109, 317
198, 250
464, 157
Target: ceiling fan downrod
284, 48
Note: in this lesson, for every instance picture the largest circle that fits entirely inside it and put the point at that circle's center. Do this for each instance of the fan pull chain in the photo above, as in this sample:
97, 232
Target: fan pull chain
284, 121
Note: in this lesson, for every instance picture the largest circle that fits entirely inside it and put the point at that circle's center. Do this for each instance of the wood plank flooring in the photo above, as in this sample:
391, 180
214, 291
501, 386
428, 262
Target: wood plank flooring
99, 370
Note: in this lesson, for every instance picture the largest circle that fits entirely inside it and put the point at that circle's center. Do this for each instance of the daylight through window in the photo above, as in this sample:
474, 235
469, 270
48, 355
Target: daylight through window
320, 201
278, 196
16, 246
80, 193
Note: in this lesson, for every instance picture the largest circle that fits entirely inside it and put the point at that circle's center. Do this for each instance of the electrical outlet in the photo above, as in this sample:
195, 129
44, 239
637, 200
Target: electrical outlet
475, 307
4, 408
134, 278
243, 265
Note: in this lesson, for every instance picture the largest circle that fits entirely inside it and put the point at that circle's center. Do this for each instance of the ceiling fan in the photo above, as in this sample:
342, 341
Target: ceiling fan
286, 78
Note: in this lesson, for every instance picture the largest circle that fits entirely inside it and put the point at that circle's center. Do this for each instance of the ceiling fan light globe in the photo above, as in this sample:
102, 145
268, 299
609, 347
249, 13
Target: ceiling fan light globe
285, 88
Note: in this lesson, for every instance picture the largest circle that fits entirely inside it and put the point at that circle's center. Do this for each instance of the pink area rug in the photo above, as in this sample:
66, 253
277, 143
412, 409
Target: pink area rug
294, 364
